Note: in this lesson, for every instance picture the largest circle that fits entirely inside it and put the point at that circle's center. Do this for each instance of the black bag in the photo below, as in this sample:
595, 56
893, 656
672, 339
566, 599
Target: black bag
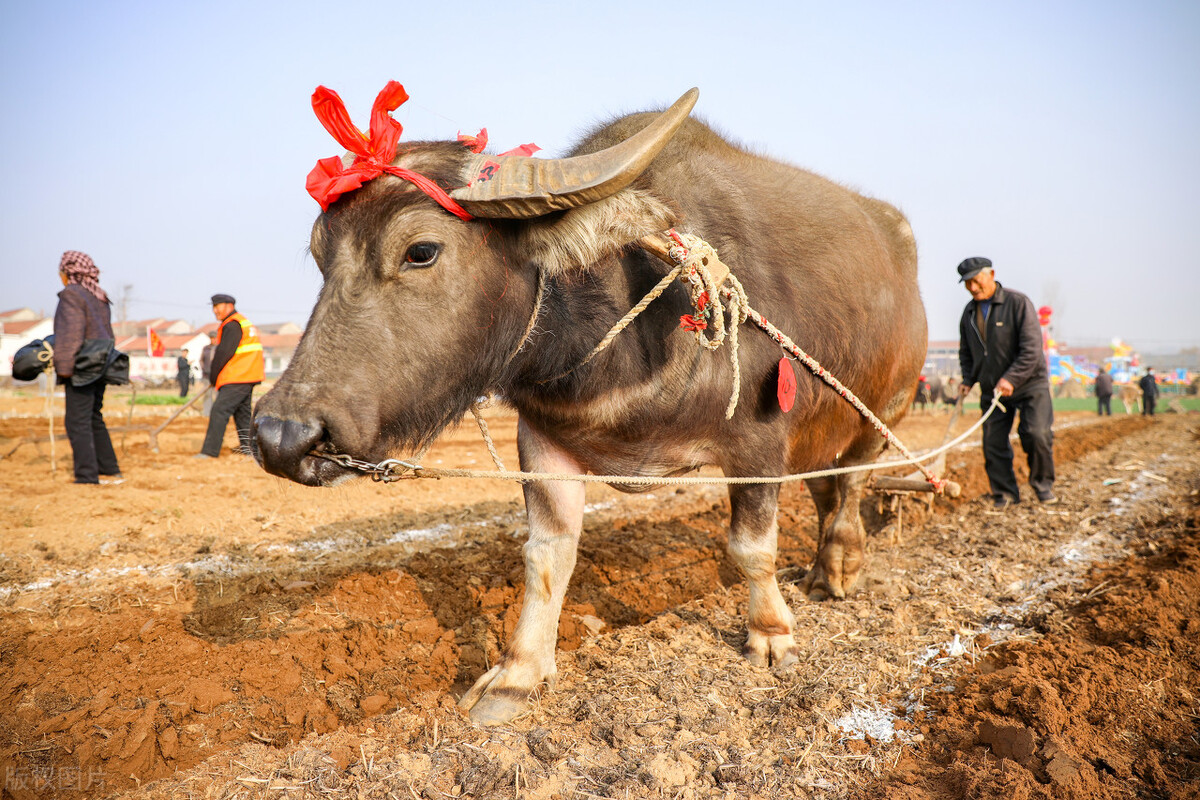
97, 358
33, 359
91, 361
117, 370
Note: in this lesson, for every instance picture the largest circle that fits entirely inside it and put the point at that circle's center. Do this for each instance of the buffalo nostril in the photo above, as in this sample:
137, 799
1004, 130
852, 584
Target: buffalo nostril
283, 443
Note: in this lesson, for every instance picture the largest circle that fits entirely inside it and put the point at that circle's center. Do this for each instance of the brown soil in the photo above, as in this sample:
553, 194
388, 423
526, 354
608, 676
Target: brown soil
216, 631
1103, 705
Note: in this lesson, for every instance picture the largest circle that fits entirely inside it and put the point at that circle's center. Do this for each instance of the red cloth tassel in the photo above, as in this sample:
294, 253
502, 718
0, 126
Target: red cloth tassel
786, 390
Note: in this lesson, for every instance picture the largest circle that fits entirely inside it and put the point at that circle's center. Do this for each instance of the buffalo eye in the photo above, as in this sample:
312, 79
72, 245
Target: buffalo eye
421, 255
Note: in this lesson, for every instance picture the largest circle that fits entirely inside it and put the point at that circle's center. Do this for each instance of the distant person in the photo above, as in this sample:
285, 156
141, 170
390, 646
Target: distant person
183, 372
237, 367
1104, 392
206, 354
935, 390
923, 393
949, 392
1000, 348
206, 357
1149, 386
84, 313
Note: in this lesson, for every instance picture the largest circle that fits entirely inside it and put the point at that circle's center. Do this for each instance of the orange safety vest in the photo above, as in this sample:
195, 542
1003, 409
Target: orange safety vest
246, 365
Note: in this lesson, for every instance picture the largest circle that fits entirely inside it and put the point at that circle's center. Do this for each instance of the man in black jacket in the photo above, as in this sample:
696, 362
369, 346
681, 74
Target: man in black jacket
237, 367
1149, 386
183, 372
1000, 348
1104, 385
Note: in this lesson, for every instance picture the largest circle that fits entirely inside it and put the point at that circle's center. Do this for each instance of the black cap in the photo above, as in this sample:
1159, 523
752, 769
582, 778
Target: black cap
223, 298
971, 267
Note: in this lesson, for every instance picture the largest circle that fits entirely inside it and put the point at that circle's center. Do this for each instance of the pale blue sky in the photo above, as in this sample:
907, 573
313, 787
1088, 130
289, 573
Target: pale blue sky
171, 141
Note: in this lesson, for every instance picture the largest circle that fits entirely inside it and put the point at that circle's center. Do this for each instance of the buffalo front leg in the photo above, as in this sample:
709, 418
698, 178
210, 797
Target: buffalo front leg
753, 538
840, 543
555, 513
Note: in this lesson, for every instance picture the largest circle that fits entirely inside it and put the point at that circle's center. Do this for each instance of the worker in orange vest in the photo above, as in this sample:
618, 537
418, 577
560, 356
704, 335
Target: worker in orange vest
237, 367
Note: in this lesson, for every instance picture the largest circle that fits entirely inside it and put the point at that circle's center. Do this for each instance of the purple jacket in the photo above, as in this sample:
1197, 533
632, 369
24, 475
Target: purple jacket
80, 315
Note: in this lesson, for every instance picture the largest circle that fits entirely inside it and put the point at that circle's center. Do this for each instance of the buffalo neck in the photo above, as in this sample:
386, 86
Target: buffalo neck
576, 312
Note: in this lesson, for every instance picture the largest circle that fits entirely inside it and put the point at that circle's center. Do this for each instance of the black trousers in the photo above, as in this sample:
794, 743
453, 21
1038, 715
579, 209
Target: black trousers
1104, 404
184, 380
233, 399
1037, 440
1148, 401
91, 446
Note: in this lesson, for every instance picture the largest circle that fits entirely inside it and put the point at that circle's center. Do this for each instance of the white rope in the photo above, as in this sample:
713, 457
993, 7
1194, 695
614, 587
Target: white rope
646, 480
476, 409
692, 256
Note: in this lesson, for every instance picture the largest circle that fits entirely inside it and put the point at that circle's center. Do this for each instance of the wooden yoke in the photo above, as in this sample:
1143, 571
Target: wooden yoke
660, 245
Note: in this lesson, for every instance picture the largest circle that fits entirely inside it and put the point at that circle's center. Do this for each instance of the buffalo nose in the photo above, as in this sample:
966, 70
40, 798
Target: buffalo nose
283, 443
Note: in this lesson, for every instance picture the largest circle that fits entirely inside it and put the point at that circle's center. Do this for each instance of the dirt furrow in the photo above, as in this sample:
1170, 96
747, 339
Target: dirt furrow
140, 683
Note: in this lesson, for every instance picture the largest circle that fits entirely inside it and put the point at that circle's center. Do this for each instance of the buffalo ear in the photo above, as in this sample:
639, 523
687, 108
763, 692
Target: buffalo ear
578, 238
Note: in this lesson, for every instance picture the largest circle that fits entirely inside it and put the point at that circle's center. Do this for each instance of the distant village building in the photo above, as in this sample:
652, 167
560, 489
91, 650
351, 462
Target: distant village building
161, 369
941, 358
19, 315
278, 349
282, 328
161, 326
1187, 359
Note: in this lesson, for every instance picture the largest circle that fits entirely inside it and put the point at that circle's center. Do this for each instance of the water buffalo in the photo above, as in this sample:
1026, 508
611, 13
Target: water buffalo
422, 311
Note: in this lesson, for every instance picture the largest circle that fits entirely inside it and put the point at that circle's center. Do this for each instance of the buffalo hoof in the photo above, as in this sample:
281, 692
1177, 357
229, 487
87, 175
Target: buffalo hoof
833, 575
493, 700
764, 650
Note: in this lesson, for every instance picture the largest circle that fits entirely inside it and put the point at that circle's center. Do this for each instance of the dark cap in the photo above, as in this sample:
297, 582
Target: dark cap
223, 298
972, 266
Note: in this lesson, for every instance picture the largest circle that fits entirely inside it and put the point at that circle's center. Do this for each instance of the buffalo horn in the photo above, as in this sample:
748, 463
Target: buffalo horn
518, 187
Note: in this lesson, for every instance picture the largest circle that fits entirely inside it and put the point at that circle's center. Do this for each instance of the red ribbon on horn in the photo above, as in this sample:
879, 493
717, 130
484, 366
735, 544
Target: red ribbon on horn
331, 178
479, 141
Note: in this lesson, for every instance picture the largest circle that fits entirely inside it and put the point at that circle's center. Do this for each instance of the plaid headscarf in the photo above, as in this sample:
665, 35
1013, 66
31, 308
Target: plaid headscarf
79, 268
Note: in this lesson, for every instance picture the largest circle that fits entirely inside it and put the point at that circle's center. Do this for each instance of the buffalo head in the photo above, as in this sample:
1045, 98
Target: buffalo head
421, 311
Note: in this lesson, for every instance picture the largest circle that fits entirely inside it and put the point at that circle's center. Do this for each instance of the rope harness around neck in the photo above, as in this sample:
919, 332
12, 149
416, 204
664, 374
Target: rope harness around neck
695, 263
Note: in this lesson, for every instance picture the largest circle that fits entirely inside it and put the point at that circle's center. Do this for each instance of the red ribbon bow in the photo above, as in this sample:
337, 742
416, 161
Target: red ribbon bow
331, 178
476, 144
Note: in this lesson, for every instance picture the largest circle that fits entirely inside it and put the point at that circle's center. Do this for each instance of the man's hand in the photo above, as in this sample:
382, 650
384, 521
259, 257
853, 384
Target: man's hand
963, 390
1003, 387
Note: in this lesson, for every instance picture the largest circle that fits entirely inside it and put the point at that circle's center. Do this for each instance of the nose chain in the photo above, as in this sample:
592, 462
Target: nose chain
386, 471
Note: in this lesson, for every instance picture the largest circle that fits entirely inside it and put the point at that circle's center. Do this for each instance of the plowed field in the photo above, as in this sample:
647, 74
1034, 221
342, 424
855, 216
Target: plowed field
206, 630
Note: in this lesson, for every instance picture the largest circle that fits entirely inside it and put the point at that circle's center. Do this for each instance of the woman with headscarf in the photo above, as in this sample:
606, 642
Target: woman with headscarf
83, 312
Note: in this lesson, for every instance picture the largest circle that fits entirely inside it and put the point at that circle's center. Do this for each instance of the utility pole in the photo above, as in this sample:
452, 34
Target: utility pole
123, 303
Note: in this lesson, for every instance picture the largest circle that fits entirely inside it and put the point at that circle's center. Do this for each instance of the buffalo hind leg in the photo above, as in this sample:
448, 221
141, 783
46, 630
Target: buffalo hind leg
841, 539
752, 546
555, 511
825, 497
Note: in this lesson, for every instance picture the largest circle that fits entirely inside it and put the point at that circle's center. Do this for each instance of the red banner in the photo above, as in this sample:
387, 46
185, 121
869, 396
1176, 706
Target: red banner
154, 345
